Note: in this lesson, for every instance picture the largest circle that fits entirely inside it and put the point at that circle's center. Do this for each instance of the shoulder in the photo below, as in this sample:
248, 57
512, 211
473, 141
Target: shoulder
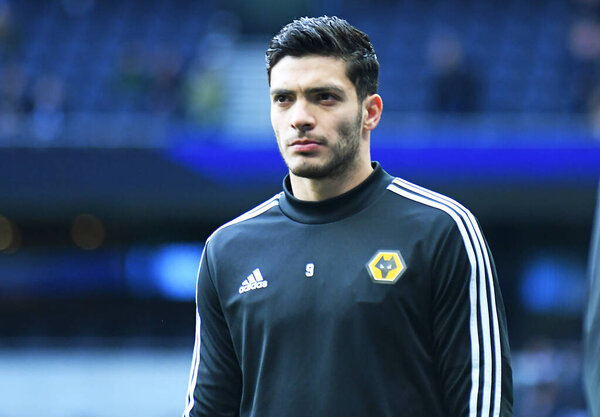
450, 227
433, 208
233, 227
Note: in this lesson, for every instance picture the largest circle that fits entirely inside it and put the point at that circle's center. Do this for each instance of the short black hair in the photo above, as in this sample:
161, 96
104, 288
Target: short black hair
329, 36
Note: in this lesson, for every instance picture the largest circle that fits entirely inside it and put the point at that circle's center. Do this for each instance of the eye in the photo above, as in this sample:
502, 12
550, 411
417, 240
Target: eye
326, 98
281, 98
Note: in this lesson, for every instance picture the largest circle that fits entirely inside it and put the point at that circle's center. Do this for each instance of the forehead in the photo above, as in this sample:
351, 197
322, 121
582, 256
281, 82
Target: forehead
309, 71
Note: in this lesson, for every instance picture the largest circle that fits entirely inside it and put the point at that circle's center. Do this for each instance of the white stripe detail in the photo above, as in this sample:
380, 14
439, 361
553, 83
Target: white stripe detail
257, 274
261, 208
194, 369
472, 292
251, 279
473, 239
195, 355
473, 226
245, 282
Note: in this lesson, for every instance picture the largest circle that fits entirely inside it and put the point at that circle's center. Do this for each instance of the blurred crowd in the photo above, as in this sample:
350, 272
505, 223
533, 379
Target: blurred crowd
455, 86
584, 48
158, 79
547, 379
161, 80
39, 98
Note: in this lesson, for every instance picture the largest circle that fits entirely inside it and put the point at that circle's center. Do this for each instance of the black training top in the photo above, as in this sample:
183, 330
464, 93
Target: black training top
380, 302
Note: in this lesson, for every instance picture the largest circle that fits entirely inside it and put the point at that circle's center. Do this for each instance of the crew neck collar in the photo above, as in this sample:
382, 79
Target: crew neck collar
336, 208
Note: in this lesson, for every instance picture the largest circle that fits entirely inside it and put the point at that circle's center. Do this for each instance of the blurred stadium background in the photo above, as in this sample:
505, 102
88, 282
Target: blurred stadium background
131, 129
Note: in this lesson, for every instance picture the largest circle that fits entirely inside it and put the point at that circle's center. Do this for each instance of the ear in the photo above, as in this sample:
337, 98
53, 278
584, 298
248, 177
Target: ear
372, 108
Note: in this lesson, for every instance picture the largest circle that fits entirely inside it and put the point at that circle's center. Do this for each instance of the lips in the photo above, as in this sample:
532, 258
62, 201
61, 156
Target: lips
304, 142
305, 145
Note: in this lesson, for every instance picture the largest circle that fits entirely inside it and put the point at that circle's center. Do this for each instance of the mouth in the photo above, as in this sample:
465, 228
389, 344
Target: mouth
305, 141
305, 145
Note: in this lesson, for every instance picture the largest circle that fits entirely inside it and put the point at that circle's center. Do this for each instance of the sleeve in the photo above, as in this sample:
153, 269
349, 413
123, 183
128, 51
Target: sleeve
215, 383
471, 347
591, 330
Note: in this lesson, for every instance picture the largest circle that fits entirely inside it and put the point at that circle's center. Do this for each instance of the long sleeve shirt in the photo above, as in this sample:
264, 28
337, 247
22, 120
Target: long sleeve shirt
380, 302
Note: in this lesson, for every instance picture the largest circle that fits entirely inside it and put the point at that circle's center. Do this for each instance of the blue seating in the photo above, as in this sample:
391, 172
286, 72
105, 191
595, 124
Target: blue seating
516, 48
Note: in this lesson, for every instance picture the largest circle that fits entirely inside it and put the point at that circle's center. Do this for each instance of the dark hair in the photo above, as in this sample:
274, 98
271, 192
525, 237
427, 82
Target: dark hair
329, 36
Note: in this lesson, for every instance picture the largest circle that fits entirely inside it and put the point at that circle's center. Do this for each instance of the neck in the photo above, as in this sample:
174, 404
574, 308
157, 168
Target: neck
319, 189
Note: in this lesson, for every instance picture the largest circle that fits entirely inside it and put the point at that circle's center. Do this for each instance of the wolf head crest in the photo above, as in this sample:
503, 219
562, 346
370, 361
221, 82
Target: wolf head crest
386, 266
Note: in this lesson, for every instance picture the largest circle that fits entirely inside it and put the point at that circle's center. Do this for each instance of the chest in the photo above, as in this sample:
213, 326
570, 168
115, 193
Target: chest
324, 275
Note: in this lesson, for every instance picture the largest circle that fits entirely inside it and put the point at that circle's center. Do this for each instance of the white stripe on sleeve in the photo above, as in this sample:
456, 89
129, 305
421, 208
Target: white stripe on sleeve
265, 206
193, 370
480, 264
196, 354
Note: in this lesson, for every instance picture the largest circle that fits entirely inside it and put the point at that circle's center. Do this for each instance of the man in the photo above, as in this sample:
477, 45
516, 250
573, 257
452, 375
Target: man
351, 293
591, 368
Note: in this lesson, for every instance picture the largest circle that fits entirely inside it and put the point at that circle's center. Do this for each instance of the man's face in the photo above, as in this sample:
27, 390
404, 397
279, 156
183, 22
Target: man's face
316, 116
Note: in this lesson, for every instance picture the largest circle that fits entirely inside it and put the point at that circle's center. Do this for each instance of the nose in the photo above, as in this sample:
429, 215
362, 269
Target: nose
302, 118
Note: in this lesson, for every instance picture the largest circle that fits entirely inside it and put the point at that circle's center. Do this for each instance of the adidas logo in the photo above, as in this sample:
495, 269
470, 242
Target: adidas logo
254, 281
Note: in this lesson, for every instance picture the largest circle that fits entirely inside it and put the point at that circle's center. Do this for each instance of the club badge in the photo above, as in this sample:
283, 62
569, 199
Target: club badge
386, 266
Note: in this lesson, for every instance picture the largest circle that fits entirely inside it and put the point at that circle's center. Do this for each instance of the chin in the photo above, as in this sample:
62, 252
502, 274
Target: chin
310, 170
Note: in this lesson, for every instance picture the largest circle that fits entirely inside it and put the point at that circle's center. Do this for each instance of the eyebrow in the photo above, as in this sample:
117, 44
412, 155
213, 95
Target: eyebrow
313, 90
327, 89
281, 91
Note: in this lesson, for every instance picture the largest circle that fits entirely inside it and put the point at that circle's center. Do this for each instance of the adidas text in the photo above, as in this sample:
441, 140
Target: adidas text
254, 281
253, 286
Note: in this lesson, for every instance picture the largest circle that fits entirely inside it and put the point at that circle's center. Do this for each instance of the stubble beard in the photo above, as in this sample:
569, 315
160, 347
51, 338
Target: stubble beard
344, 154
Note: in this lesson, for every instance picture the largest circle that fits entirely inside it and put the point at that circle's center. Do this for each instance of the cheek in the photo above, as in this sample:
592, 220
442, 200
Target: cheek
278, 133
277, 120
348, 128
